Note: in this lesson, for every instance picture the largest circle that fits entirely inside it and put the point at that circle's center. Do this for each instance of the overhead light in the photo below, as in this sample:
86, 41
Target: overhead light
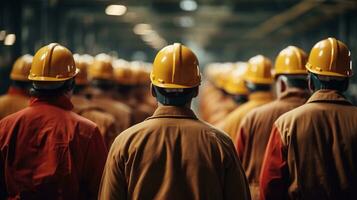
2, 35
186, 22
116, 10
10, 39
188, 5
142, 29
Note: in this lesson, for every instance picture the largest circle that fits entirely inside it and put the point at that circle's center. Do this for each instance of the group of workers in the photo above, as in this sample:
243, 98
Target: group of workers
78, 127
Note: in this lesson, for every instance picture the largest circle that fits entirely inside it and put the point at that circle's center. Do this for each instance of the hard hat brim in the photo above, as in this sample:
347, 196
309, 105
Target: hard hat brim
54, 79
327, 73
173, 86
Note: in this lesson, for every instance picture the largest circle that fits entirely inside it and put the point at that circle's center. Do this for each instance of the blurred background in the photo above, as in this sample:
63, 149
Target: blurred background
216, 30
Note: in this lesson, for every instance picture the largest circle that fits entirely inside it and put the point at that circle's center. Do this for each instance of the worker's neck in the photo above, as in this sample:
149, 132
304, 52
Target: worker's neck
187, 105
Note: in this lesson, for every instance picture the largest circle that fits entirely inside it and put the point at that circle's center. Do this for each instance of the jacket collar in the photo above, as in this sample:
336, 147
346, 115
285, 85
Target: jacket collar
173, 112
292, 93
17, 91
259, 96
328, 96
60, 101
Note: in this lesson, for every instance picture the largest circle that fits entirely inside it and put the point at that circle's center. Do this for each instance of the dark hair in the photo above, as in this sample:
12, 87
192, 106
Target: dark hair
124, 89
339, 84
24, 85
298, 81
253, 87
78, 88
67, 86
240, 98
102, 84
173, 97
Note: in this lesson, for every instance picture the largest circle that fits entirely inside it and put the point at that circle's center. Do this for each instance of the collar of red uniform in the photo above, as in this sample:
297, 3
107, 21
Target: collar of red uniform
60, 101
257, 96
293, 93
331, 96
17, 91
173, 112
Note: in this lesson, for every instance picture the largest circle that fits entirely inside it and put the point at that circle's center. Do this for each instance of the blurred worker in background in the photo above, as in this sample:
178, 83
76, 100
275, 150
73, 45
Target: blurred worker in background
17, 96
84, 107
220, 105
47, 151
173, 155
102, 93
311, 153
127, 83
236, 90
258, 80
292, 91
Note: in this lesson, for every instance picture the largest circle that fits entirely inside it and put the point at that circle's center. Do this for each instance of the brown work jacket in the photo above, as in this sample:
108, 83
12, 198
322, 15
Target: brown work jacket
15, 100
49, 152
121, 112
105, 121
173, 155
140, 109
255, 130
231, 124
312, 151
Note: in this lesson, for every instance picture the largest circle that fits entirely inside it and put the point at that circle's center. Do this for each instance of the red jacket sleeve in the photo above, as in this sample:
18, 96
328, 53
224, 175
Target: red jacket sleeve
240, 142
94, 164
274, 174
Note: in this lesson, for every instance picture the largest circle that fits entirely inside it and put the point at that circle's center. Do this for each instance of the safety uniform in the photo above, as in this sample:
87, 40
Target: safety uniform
255, 127
231, 124
47, 151
16, 99
105, 121
311, 151
173, 155
254, 133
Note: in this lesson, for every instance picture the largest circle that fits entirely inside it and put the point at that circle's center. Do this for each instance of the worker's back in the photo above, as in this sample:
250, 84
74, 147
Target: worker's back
47, 152
173, 155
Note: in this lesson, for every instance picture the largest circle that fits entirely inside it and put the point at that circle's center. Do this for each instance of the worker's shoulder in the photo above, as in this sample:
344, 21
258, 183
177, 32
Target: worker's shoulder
191, 126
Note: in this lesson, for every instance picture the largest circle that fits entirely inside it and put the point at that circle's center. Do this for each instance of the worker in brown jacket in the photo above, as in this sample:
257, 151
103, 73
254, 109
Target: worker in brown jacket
258, 80
311, 153
102, 91
173, 155
46, 150
292, 91
84, 107
17, 96
237, 92
126, 81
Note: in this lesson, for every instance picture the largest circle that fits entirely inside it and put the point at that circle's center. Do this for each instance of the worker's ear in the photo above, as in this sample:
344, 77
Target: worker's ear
153, 92
310, 83
283, 86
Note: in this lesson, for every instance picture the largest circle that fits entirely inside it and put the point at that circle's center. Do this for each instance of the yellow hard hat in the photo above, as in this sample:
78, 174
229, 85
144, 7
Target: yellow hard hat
330, 57
21, 68
101, 68
82, 64
175, 66
123, 74
290, 60
259, 70
53, 63
235, 83
224, 70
